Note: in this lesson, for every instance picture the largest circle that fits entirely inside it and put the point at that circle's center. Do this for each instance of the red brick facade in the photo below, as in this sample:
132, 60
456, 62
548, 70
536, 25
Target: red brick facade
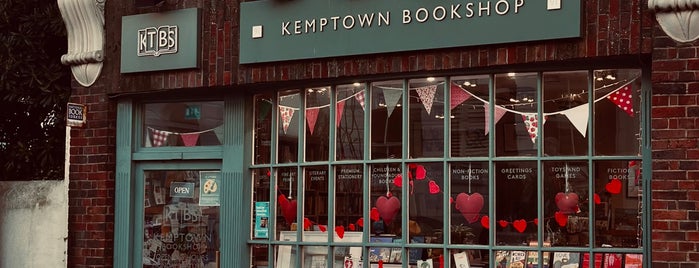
611, 28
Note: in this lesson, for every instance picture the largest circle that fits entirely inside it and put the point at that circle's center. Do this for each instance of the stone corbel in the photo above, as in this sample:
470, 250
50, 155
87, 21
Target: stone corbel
84, 20
678, 18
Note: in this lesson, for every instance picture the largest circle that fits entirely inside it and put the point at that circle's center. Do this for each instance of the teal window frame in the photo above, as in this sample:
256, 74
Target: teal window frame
366, 162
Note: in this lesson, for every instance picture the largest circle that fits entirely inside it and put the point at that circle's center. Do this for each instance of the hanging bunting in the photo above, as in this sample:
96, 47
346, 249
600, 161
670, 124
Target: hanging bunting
286, 114
311, 117
360, 98
458, 95
190, 139
148, 142
391, 96
338, 113
499, 112
578, 116
427, 96
159, 137
622, 98
531, 122
219, 133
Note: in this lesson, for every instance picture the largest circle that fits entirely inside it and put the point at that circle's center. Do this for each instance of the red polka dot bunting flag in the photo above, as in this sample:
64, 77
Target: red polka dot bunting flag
623, 99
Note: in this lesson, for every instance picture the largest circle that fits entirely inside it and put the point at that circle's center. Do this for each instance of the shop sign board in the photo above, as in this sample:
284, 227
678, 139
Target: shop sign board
273, 30
160, 41
182, 189
75, 114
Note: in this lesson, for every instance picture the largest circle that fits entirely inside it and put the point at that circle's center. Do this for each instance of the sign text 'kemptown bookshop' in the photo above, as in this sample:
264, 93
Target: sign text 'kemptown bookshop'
303, 29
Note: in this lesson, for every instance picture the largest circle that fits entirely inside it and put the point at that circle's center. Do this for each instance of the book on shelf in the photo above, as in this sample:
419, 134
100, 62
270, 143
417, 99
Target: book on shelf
587, 260
533, 260
612, 260
566, 259
633, 260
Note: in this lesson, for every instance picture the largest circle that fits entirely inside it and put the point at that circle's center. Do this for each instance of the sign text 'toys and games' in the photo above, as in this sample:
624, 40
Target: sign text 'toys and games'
154, 41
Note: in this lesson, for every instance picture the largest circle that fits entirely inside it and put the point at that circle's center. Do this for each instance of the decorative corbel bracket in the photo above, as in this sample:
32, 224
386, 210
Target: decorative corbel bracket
678, 18
84, 21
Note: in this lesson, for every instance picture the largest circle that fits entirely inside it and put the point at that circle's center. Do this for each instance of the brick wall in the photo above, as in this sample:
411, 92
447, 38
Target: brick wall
675, 135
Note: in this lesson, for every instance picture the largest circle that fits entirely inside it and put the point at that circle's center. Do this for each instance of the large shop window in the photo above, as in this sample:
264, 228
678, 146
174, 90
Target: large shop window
539, 169
183, 124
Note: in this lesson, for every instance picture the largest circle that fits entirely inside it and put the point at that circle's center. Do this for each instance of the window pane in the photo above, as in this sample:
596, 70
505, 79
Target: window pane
386, 119
180, 230
263, 129
349, 197
288, 125
386, 198
183, 124
349, 141
317, 123
426, 119
565, 200
515, 202
315, 191
515, 114
567, 111
261, 204
425, 183
260, 255
617, 112
287, 182
618, 183
469, 189
469, 129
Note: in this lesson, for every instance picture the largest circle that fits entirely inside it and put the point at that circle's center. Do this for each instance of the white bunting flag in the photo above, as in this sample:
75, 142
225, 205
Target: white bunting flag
427, 96
579, 117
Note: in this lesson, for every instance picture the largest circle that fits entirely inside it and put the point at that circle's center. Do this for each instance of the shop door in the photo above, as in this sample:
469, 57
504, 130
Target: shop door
178, 215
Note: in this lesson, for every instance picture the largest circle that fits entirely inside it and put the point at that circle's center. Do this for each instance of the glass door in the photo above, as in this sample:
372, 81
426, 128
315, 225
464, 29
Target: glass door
178, 214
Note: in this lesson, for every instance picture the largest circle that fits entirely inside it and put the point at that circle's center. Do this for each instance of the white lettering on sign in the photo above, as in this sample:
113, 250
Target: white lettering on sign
418, 15
157, 41
181, 190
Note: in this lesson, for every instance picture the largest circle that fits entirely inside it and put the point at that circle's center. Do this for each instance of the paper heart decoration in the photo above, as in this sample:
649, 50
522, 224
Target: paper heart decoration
398, 181
536, 221
613, 186
387, 207
567, 202
340, 231
520, 225
322, 228
470, 206
420, 173
288, 209
307, 224
503, 223
485, 222
374, 214
360, 222
351, 227
561, 219
434, 188
597, 200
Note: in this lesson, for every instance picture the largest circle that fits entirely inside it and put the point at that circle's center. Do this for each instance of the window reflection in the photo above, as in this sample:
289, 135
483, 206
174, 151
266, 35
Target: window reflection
183, 124
426, 118
349, 141
515, 114
386, 119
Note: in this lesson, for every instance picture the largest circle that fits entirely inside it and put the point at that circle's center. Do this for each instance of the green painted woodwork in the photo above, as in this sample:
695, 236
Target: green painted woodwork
273, 30
187, 41
123, 205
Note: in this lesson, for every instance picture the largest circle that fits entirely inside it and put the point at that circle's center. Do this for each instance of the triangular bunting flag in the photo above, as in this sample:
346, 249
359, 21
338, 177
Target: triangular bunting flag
499, 112
219, 133
190, 139
532, 124
391, 96
578, 116
458, 95
311, 117
622, 98
286, 114
427, 96
360, 98
338, 114
159, 137
148, 142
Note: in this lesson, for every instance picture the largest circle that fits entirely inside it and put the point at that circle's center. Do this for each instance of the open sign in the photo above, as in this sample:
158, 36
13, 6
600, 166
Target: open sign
182, 189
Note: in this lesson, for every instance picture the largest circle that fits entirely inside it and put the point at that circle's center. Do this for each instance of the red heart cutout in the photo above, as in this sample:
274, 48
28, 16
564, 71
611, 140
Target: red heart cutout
520, 225
307, 224
567, 202
613, 186
470, 206
288, 209
503, 223
351, 227
420, 172
485, 222
340, 231
597, 199
322, 228
561, 219
434, 188
387, 207
360, 222
536, 221
374, 214
398, 181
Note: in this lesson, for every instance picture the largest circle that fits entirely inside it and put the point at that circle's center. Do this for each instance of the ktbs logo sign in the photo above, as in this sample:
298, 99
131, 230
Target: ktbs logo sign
154, 41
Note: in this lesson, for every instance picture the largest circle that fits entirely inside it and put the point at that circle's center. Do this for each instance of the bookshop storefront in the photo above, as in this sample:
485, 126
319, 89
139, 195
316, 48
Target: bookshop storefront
516, 166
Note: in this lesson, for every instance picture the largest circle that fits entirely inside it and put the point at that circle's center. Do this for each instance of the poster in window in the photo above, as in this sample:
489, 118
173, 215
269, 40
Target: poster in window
209, 188
461, 260
261, 219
